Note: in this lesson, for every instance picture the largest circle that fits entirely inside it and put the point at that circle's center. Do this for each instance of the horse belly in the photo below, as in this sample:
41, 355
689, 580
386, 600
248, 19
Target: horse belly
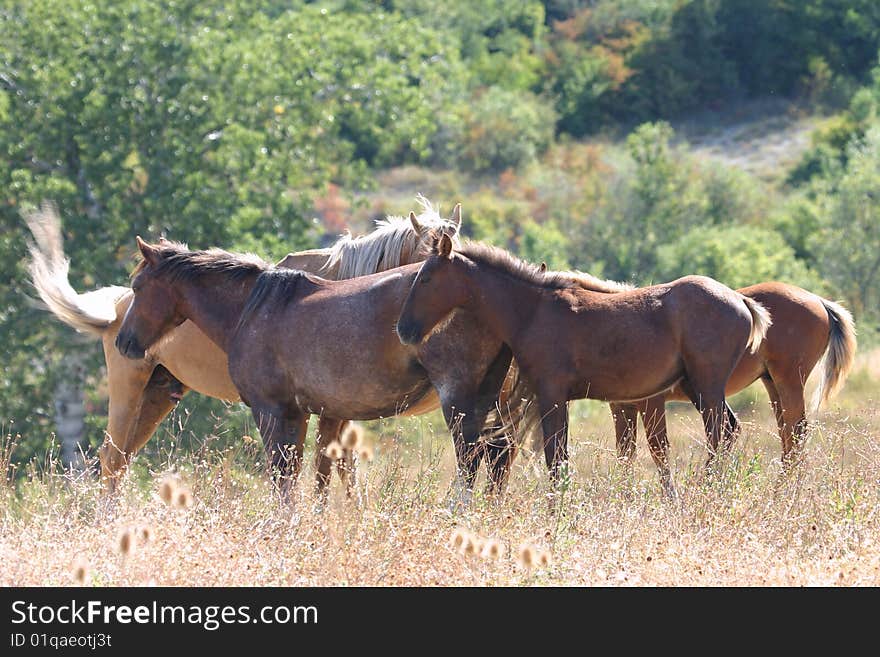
628, 363
367, 400
362, 383
629, 385
197, 362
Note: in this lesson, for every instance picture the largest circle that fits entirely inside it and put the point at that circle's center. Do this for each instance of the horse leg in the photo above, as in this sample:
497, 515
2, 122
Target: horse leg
654, 419
713, 409
554, 422
156, 403
465, 430
345, 467
126, 381
732, 427
283, 438
625, 430
498, 446
329, 431
791, 413
500, 454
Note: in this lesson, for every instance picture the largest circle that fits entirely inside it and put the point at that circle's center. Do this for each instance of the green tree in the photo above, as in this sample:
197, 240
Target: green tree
213, 122
847, 243
735, 255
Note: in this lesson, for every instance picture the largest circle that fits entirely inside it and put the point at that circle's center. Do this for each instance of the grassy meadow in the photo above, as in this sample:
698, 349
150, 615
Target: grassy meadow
209, 517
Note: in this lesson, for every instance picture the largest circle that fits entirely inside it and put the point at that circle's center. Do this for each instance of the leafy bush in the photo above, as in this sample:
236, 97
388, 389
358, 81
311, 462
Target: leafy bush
735, 255
847, 243
501, 129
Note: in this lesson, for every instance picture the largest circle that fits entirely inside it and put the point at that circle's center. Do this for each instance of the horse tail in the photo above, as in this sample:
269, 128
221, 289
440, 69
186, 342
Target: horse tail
761, 322
839, 354
92, 312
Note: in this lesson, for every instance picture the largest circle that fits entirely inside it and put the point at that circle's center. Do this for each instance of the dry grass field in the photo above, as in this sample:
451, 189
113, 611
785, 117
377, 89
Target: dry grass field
747, 526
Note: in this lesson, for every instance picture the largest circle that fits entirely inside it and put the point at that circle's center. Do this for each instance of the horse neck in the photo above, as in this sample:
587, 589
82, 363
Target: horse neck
214, 303
502, 302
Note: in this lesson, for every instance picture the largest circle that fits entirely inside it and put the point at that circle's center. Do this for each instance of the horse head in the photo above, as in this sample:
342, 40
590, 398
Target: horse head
436, 291
155, 308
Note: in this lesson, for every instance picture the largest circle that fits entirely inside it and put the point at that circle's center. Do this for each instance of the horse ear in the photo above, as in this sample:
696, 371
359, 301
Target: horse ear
151, 256
456, 217
444, 249
415, 223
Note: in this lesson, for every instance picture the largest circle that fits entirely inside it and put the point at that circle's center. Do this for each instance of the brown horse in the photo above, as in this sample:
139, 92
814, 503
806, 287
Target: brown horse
805, 327
571, 342
143, 392
300, 345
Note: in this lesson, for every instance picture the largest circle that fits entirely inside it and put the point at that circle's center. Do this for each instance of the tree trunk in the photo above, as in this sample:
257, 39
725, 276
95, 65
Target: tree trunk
70, 412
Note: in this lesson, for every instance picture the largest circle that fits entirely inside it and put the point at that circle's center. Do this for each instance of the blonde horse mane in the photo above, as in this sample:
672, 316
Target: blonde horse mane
590, 282
393, 243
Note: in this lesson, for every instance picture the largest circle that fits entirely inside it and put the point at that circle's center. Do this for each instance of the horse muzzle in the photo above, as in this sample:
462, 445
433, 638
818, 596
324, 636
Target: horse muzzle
129, 347
409, 333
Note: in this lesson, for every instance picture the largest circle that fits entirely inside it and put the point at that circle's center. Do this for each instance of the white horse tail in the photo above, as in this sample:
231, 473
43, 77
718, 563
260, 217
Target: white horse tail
92, 312
839, 354
760, 323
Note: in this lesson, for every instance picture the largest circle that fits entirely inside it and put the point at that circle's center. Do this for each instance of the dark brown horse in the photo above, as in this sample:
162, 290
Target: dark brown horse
805, 327
300, 345
571, 342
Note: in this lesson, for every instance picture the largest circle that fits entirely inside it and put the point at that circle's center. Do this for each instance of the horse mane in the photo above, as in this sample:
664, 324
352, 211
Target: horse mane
179, 263
279, 285
393, 243
507, 263
590, 282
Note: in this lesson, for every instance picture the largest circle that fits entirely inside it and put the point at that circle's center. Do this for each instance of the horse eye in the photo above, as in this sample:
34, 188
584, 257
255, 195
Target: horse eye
425, 279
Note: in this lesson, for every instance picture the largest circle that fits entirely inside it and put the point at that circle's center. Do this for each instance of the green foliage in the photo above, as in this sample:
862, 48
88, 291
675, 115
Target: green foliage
682, 65
502, 129
735, 255
659, 196
582, 85
498, 38
851, 225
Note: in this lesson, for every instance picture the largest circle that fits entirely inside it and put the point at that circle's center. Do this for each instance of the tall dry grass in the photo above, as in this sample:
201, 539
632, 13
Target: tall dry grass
211, 518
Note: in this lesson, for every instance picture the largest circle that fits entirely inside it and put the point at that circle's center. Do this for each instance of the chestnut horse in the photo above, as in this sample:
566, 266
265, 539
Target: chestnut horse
300, 345
805, 327
143, 392
571, 342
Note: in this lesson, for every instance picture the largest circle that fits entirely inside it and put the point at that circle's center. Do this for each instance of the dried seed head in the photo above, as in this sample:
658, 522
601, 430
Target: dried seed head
126, 542
353, 436
365, 453
80, 571
183, 499
473, 545
458, 538
167, 489
333, 451
247, 439
527, 556
545, 559
492, 549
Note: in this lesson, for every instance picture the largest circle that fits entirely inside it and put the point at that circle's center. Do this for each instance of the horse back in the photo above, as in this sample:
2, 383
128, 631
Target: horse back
801, 325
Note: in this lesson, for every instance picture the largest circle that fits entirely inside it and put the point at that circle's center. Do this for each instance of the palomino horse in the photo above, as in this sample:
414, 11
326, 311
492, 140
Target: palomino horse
143, 392
300, 345
805, 327
571, 342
